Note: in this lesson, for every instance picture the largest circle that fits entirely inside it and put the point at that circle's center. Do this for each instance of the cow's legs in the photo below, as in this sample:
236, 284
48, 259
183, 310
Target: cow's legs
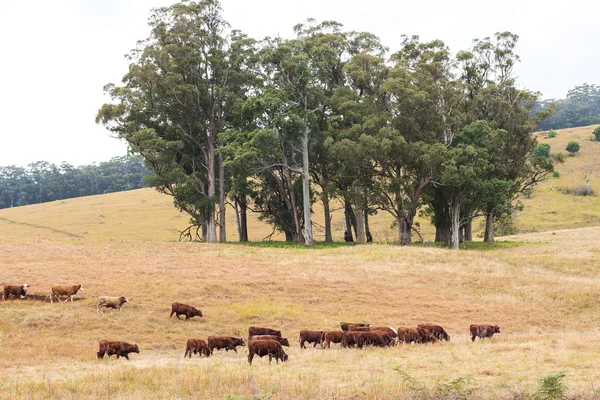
250, 357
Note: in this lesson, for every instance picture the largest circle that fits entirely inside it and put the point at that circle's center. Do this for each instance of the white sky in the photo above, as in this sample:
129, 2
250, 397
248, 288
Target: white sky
56, 56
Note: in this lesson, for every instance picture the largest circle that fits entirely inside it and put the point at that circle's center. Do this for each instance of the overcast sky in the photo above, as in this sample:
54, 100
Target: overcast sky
58, 55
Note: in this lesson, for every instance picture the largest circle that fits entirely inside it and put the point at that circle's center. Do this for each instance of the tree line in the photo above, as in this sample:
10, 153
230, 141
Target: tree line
277, 124
581, 107
41, 182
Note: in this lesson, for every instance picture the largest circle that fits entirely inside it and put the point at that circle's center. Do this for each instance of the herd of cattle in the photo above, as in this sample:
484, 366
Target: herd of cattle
265, 341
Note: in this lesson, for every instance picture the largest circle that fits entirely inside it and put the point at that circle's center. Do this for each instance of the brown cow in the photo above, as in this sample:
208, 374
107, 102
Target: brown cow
315, 337
282, 341
407, 334
196, 346
60, 290
483, 331
224, 342
348, 339
385, 329
121, 349
255, 331
184, 309
332, 337
379, 339
262, 348
17, 291
436, 331
350, 326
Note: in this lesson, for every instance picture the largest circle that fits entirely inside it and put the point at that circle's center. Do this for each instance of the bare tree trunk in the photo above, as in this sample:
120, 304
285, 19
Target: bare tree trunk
222, 208
241, 217
469, 231
297, 235
455, 218
308, 235
489, 228
327, 212
367, 229
348, 222
360, 218
211, 234
405, 231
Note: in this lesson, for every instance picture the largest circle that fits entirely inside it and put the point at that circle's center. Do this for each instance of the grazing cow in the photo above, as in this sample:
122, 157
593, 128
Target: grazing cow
483, 331
17, 291
315, 337
262, 348
69, 291
282, 341
436, 331
196, 346
111, 302
408, 334
350, 326
255, 331
333, 337
121, 349
385, 329
348, 339
184, 309
224, 342
379, 339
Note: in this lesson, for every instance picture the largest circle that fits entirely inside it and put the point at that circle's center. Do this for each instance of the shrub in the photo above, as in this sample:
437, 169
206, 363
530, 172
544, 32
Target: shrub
579, 191
551, 133
556, 174
597, 134
551, 387
573, 147
542, 150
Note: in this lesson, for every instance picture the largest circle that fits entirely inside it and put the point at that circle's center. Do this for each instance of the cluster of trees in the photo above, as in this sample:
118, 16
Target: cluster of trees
580, 108
42, 181
278, 124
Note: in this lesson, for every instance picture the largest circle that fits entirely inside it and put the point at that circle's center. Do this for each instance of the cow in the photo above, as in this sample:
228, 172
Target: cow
379, 339
333, 337
121, 349
436, 331
386, 329
224, 342
17, 291
408, 334
111, 302
315, 337
262, 348
282, 341
196, 346
349, 326
348, 339
483, 331
184, 309
60, 290
255, 331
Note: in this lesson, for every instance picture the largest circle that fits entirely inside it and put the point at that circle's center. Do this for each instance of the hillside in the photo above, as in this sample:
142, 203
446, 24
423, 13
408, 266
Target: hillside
145, 214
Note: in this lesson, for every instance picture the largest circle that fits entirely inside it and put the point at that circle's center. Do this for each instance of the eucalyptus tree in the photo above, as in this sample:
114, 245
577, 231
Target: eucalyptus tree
176, 97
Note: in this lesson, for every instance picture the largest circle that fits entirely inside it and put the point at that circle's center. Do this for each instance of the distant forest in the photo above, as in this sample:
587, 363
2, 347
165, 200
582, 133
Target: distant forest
580, 108
42, 181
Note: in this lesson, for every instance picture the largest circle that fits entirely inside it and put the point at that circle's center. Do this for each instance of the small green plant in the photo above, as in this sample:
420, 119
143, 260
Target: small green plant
597, 134
551, 387
542, 150
556, 174
551, 133
573, 147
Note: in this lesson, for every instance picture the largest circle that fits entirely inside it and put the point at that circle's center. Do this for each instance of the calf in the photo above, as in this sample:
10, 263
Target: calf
61, 290
333, 337
379, 339
196, 346
350, 326
17, 291
224, 342
121, 349
255, 331
436, 331
282, 341
483, 331
111, 302
262, 348
184, 309
315, 337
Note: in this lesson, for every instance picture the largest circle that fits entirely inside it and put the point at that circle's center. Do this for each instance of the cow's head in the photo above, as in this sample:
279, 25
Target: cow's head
123, 299
496, 329
197, 312
240, 342
284, 357
135, 349
285, 342
25, 287
80, 288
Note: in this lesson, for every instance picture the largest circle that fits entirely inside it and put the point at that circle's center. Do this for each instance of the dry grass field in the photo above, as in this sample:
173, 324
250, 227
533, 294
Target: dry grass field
542, 289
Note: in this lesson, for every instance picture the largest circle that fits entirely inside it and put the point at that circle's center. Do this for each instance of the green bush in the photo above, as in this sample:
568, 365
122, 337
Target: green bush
542, 150
597, 134
556, 174
573, 147
551, 387
552, 134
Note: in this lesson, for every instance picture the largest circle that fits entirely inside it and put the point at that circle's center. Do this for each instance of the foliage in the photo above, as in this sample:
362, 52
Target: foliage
573, 147
555, 174
581, 107
585, 190
551, 387
552, 133
542, 150
42, 182
597, 134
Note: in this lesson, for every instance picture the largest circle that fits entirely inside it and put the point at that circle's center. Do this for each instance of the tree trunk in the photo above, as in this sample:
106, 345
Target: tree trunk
360, 218
405, 230
297, 234
469, 230
222, 208
211, 234
289, 236
367, 229
308, 236
327, 212
241, 218
489, 228
348, 222
455, 218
